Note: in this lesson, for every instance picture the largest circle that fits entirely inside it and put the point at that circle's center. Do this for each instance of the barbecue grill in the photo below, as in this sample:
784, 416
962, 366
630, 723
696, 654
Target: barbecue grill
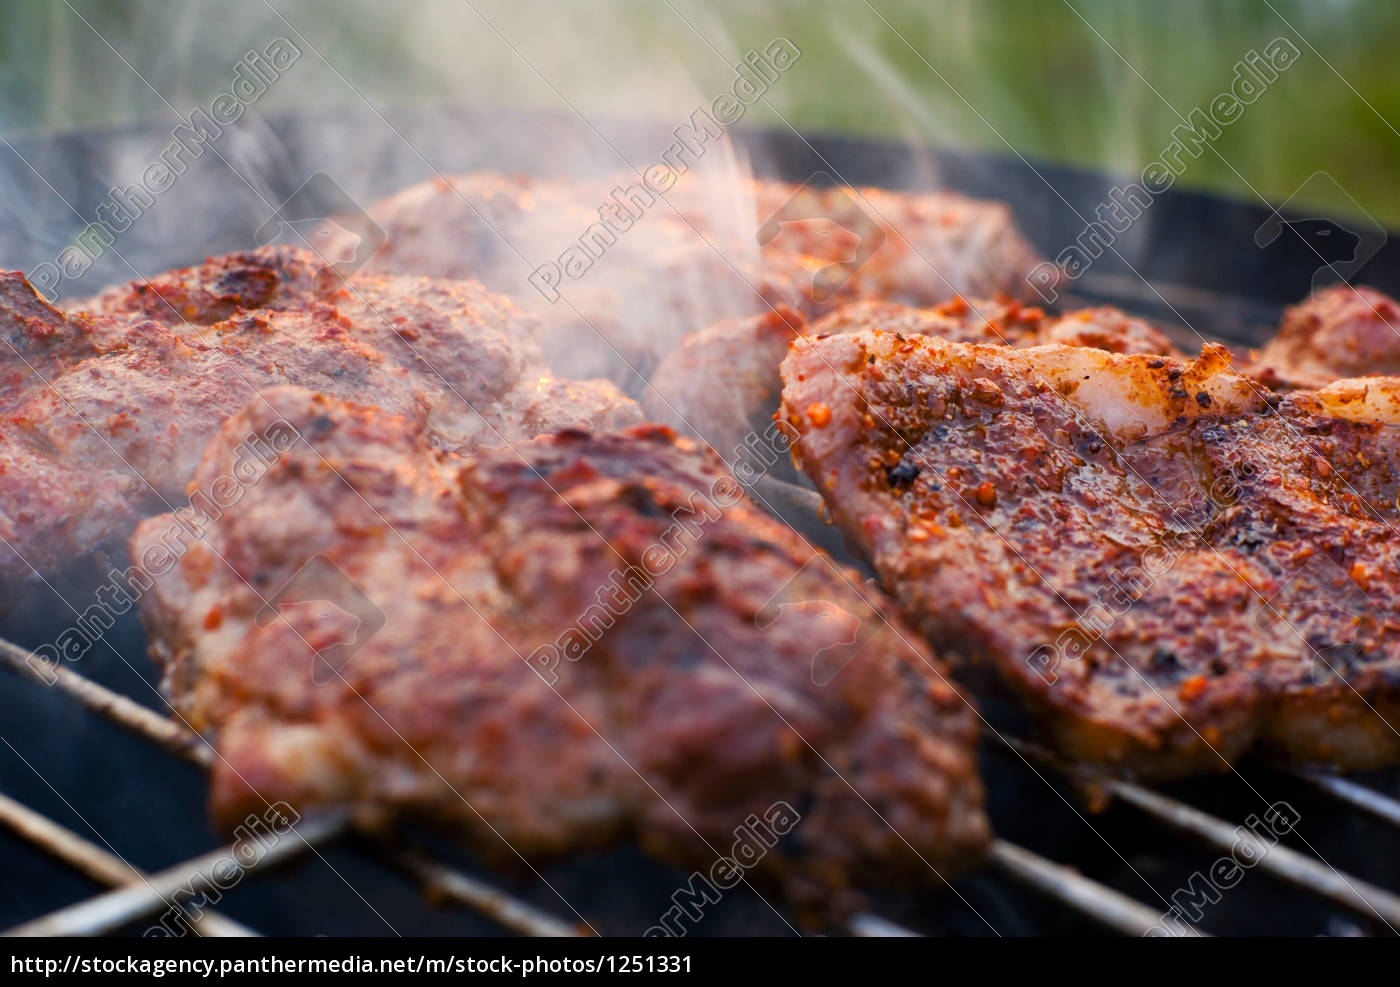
98, 778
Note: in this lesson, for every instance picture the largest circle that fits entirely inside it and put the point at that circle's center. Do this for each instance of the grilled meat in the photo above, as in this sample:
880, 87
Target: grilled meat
700, 266
107, 412
582, 641
498, 228
1165, 565
269, 278
1339, 331
723, 382
1107, 328
927, 247
990, 320
1002, 320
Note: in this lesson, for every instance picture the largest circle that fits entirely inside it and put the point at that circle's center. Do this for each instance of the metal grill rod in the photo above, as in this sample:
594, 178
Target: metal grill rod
791, 495
490, 901
1358, 796
160, 730
1280, 861
176, 739
107, 912
95, 862
1093, 899
1117, 911
875, 927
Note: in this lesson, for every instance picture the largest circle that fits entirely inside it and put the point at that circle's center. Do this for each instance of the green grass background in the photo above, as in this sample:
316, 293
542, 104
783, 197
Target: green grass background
1036, 73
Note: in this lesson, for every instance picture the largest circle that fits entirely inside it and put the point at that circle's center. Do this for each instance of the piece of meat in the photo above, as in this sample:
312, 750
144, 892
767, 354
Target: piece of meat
983, 320
545, 650
270, 278
543, 402
700, 263
1107, 328
1338, 331
722, 383
1166, 565
417, 346
637, 291
1004, 320
723, 380
928, 247
107, 412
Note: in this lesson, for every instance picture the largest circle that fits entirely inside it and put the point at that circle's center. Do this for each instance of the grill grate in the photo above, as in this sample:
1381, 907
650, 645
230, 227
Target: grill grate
136, 896
95, 862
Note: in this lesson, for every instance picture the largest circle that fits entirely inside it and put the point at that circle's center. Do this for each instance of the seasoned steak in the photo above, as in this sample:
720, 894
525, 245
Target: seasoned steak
1339, 331
1169, 568
583, 641
723, 382
108, 410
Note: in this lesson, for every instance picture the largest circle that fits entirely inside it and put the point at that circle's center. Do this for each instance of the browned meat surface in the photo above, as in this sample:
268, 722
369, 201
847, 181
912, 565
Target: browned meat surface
1339, 331
932, 247
1165, 566
107, 414
1107, 328
1003, 320
270, 278
643, 289
413, 664
722, 382
984, 320
699, 263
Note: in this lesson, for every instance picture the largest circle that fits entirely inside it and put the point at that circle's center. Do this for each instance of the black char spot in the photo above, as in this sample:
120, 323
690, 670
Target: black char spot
902, 474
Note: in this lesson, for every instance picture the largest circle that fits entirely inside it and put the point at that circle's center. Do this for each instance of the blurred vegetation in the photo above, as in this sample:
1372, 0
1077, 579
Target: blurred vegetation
1095, 82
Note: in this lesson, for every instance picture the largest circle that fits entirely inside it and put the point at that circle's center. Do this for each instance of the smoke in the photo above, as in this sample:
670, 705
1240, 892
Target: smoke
381, 97
568, 91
